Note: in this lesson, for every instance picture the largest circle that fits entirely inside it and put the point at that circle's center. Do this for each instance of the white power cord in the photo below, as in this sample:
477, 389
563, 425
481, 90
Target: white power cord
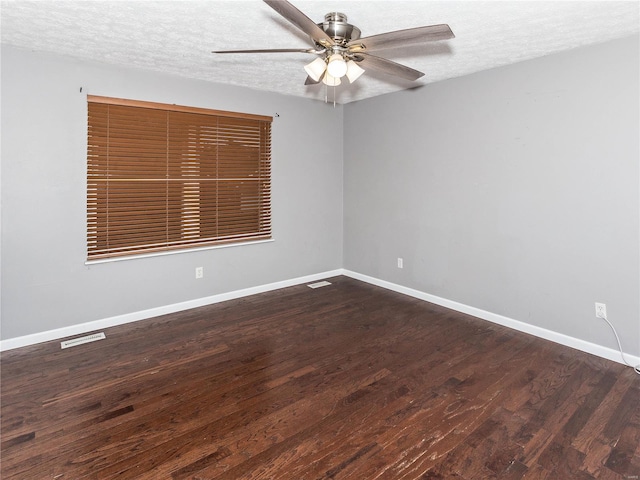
636, 368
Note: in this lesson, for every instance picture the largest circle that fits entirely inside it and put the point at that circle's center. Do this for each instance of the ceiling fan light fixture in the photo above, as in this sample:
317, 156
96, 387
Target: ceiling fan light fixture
353, 71
330, 80
316, 69
337, 67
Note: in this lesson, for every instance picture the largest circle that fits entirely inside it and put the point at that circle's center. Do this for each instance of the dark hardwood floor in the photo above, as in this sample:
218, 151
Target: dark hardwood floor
345, 381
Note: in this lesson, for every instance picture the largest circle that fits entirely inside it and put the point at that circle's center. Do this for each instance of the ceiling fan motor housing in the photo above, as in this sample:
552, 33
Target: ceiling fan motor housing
335, 25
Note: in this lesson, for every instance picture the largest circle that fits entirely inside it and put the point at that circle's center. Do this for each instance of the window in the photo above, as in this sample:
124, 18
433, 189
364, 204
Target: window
164, 177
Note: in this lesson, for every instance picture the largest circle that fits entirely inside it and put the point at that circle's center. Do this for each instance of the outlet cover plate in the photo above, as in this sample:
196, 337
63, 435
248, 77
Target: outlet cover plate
601, 310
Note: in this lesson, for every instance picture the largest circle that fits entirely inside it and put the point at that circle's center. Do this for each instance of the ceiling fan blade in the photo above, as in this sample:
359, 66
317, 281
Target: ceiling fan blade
401, 38
311, 81
300, 20
371, 62
270, 50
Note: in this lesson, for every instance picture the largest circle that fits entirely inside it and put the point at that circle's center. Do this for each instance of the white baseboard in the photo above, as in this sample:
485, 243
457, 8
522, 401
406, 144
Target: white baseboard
83, 328
582, 345
87, 327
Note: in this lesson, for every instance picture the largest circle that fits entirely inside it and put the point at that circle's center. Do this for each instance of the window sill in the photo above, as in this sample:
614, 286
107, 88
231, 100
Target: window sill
173, 252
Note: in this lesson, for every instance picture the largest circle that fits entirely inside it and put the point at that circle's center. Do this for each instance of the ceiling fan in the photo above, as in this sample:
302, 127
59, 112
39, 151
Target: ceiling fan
340, 50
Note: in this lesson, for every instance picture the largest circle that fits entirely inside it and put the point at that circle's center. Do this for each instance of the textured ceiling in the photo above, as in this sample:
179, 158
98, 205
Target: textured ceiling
177, 37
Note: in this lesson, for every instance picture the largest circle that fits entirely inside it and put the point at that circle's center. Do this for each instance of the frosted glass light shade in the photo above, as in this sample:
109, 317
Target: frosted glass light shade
316, 68
337, 67
353, 71
330, 80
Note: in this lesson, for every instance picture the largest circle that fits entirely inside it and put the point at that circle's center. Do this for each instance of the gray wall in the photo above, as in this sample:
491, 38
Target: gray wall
45, 283
514, 190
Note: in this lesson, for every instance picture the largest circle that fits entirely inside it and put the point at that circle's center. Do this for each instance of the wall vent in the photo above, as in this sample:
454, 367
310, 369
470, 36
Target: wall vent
323, 283
80, 340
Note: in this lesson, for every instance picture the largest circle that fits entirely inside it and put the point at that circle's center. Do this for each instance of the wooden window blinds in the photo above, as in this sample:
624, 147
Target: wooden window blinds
163, 177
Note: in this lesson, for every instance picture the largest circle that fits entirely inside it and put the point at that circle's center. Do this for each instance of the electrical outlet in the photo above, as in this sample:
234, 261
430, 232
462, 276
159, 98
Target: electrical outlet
199, 272
601, 310
400, 263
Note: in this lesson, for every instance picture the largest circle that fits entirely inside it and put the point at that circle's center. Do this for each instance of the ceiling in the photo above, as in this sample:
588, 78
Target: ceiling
177, 37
